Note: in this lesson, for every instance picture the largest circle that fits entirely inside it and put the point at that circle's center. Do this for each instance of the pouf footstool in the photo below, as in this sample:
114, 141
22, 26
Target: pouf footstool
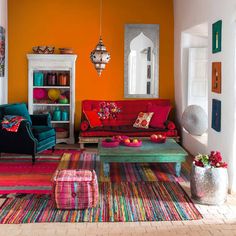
75, 189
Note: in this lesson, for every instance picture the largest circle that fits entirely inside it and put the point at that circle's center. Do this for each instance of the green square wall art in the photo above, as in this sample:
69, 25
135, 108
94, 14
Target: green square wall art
216, 36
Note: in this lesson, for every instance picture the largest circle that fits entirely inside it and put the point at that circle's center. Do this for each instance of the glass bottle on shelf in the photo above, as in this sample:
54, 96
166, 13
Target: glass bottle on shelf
51, 79
56, 114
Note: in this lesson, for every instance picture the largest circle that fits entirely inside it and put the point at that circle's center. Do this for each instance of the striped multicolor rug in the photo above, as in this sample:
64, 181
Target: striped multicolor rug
18, 175
131, 172
118, 202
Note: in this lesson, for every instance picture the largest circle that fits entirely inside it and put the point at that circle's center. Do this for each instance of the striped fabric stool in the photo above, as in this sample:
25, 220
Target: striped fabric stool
75, 189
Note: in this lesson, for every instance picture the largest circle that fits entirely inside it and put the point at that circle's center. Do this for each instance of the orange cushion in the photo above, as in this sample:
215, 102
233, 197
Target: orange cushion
93, 119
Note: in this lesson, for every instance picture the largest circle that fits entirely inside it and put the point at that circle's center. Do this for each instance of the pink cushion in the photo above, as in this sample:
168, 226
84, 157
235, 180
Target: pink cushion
160, 115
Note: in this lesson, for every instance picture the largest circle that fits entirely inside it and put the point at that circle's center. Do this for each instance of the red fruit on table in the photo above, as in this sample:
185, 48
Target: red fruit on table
153, 136
127, 141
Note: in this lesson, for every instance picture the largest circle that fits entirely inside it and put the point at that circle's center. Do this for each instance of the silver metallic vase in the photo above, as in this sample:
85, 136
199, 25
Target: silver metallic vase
209, 185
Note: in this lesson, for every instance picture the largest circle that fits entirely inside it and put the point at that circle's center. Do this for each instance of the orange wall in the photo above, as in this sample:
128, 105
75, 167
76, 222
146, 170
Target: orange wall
75, 23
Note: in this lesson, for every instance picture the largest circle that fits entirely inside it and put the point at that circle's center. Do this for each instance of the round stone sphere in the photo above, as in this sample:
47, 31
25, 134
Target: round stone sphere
194, 120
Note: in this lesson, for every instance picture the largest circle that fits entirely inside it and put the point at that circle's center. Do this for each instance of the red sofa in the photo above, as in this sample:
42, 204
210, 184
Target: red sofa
123, 124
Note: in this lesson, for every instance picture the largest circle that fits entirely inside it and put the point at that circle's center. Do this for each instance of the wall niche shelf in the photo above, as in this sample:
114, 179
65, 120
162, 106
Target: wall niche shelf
53, 75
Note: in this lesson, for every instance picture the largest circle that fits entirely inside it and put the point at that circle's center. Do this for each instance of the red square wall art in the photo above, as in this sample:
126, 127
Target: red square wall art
216, 77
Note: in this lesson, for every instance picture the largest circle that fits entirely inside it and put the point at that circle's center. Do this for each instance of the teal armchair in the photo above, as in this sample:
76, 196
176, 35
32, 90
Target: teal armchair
35, 133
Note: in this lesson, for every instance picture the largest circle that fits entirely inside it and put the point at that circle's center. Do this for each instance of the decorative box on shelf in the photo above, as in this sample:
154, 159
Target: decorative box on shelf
51, 89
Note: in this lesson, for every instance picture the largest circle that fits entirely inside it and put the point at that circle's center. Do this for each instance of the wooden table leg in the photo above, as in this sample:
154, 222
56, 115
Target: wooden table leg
177, 168
106, 169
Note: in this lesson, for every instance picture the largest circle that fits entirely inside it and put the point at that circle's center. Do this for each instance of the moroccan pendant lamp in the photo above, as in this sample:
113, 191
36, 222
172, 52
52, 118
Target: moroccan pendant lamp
100, 56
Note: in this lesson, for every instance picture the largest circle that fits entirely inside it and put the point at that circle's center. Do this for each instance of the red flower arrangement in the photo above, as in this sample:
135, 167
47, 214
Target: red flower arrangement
212, 160
108, 110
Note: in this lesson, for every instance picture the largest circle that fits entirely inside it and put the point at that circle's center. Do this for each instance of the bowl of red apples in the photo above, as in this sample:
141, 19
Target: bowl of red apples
158, 138
132, 142
119, 138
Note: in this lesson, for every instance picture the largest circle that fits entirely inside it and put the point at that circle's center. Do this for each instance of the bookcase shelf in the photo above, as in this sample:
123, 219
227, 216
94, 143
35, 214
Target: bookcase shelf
46, 65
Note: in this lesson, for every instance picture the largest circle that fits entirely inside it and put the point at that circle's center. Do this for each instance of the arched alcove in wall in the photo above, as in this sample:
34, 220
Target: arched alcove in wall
141, 48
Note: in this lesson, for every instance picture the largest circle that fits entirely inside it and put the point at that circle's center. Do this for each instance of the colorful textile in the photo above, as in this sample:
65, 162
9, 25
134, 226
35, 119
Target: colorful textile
143, 120
75, 189
118, 202
108, 110
18, 175
11, 123
18, 109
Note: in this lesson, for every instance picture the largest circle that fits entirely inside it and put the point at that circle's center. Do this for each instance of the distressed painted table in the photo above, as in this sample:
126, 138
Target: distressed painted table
148, 152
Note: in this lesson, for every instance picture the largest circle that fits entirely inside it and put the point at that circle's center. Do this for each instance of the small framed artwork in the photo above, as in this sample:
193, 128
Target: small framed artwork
216, 36
149, 54
2, 51
216, 77
149, 71
148, 87
216, 115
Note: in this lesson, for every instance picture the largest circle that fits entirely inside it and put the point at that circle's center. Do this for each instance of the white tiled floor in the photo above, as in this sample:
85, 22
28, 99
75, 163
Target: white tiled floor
217, 220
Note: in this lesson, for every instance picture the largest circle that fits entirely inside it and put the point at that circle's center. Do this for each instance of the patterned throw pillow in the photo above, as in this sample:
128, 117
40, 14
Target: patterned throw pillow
143, 120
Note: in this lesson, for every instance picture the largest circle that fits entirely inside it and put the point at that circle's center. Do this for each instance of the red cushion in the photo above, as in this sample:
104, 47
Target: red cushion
84, 125
160, 115
170, 125
93, 118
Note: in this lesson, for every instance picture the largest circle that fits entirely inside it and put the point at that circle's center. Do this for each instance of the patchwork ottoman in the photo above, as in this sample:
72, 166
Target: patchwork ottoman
75, 189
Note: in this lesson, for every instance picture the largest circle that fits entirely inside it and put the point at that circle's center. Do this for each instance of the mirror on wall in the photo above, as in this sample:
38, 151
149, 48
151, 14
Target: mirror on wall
141, 60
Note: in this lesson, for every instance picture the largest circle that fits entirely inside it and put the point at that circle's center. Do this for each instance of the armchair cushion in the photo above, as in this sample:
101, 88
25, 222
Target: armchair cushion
41, 119
43, 132
19, 110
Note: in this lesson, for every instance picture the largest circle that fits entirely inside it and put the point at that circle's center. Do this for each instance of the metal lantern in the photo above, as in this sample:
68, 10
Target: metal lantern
100, 57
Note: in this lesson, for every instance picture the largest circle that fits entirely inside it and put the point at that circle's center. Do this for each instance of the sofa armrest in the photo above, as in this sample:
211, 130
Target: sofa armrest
23, 139
41, 119
10, 141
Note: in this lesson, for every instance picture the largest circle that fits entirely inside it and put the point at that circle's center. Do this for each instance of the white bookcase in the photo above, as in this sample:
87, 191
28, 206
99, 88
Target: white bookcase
55, 64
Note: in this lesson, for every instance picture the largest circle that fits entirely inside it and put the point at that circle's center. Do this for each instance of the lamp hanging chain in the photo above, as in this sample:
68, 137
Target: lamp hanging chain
100, 18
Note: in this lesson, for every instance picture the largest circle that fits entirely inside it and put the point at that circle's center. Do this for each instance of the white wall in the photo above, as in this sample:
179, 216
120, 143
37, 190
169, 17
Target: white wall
4, 80
189, 13
189, 41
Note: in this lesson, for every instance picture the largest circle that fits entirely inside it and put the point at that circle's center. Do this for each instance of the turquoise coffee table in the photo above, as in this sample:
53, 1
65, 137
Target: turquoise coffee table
148, 152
